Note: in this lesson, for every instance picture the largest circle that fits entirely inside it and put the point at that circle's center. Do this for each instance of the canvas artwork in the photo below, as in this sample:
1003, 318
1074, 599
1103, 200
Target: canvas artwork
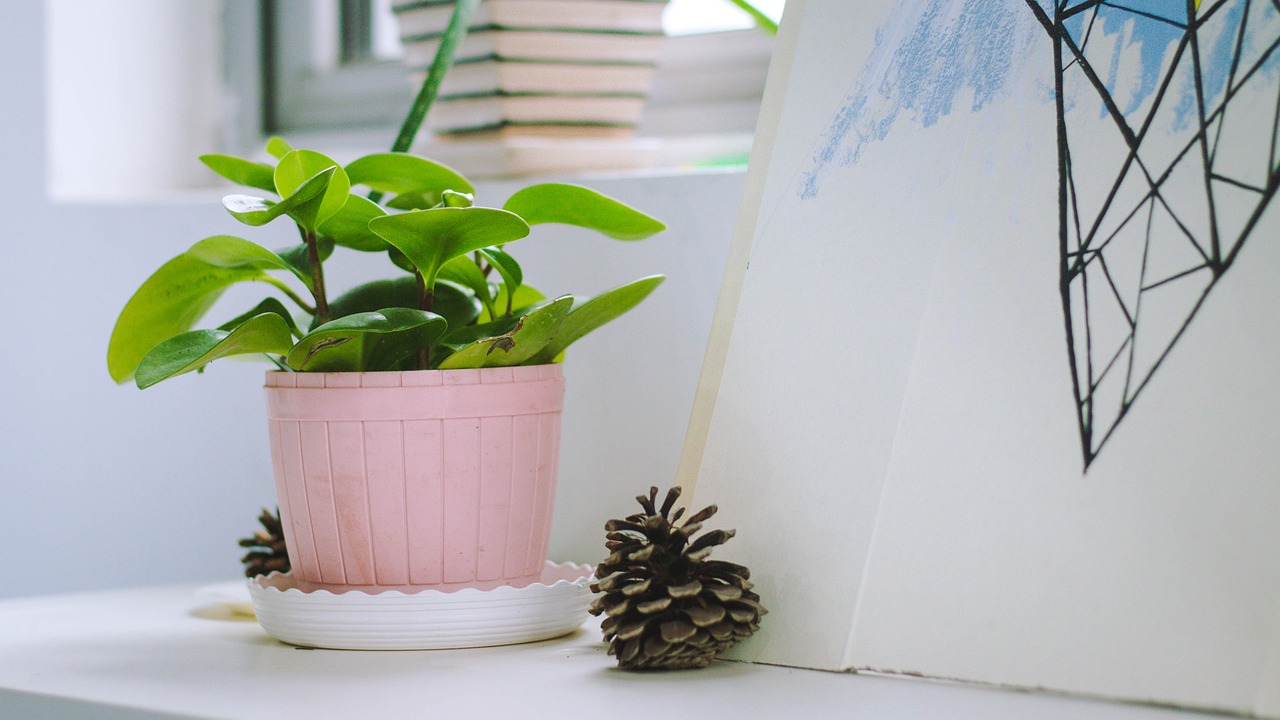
1003, 351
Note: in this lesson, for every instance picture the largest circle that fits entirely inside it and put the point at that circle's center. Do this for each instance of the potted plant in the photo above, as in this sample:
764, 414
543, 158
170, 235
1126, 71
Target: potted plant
422, 391
414, 420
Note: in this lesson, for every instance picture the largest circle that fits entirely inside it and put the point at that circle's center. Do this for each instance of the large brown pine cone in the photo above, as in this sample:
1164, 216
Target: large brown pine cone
666, 605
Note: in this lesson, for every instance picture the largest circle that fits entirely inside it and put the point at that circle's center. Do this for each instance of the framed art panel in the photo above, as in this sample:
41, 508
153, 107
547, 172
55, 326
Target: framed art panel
993, 391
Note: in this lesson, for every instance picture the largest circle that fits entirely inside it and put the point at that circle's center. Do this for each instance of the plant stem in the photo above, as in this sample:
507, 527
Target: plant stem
426, 295
289, 293
317, 279
463, 10
426, 298
764, 22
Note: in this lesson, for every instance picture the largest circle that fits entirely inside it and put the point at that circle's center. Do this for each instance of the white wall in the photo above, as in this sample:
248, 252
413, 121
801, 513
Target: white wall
109, 486
103, 62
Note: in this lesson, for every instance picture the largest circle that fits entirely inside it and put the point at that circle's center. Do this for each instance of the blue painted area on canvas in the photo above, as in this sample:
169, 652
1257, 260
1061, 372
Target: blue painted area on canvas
931, 56
1156, 25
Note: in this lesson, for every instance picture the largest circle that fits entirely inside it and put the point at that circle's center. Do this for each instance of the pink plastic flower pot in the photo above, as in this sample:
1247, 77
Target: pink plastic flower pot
412, 480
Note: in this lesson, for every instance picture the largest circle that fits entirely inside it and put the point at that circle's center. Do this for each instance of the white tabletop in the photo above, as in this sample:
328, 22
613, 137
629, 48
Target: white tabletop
166, 652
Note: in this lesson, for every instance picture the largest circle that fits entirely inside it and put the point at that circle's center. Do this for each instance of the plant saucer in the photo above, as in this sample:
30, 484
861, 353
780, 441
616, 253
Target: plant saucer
427, 619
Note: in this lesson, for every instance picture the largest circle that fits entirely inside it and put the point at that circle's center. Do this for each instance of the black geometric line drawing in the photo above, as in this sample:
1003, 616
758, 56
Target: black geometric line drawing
1144, 255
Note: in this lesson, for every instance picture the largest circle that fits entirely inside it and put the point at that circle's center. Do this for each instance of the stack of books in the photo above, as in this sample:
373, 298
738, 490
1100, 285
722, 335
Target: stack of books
539, 85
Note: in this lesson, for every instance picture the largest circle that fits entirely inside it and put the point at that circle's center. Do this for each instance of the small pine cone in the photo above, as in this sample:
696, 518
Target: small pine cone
268, 553
666, 605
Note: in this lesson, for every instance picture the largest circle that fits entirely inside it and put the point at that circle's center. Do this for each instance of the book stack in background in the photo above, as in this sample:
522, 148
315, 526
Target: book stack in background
538, 86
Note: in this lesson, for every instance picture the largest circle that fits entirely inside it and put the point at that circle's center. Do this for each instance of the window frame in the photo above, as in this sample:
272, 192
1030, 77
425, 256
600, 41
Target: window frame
303, 97
709, 81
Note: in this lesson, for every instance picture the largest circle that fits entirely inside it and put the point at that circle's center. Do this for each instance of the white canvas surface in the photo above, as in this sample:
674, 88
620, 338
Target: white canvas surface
893, 431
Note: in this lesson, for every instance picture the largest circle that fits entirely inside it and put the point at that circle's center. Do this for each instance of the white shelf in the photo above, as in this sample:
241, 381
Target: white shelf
164, 653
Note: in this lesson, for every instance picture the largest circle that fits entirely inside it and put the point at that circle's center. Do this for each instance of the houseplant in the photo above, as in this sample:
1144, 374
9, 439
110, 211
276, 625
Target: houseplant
454, 356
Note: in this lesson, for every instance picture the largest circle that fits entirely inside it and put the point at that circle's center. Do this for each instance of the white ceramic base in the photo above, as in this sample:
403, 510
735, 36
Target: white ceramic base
425, 620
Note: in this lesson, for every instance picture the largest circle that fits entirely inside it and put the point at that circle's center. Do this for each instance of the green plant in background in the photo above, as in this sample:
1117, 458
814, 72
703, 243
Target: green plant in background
459, 299
764, 22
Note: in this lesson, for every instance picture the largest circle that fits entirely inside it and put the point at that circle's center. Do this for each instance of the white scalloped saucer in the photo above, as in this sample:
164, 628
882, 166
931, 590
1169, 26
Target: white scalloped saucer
425, 620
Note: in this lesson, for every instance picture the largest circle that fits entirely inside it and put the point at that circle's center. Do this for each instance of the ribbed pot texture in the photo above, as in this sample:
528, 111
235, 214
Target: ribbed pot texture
419, 479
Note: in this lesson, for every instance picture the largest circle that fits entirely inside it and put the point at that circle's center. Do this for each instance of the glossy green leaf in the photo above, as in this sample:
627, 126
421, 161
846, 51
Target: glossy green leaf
591, 314
530, 334
303, 202
366, 342
457, 306
404, 173
453, 198
270, 305
507, 267
375, 295
296, 169
455, 303
414, 201
169, 302
228, 251
398, 259
457, 338
278, 147
463, 271
524, 298
265, 333
242, 172
350, 226
431, 238
584, 207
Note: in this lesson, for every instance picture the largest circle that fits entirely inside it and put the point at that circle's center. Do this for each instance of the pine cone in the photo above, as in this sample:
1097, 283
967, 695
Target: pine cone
667, 606
269, 553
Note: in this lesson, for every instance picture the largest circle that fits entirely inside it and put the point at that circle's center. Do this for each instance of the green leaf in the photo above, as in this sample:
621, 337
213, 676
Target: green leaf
431, 238
398, 259
453, 198
375, 295
524, 298
270, 305
169, 302
298, 257
401, 173
350, 226
228, 251
265, 333
177, 295
454, 304
256, 211
530, 334
591, 314
366, 342
506, 266
297, 168
242, 172
457, 338
584, 207
278, 147
464, 271
414, 201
